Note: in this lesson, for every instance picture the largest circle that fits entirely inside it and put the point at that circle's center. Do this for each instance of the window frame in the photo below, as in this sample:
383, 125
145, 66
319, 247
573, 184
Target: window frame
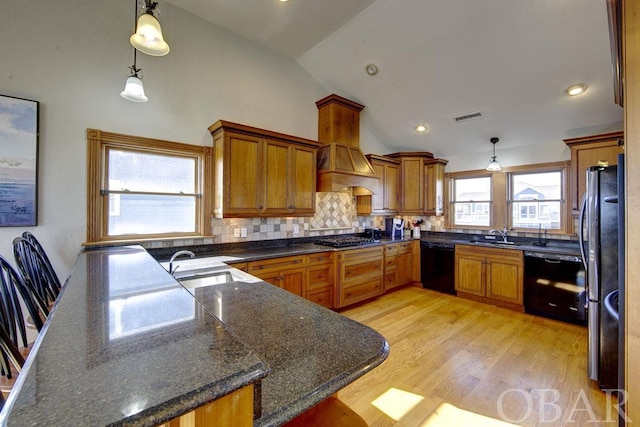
501, 209
563, 168
453, 177
98, 144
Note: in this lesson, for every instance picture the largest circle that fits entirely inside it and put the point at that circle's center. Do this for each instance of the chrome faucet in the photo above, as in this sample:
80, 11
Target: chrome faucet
176, 255
503, 233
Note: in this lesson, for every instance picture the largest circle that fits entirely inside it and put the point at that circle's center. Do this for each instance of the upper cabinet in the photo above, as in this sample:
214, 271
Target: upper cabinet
434, 186
589, 151
421, 189
259, 173
384, 200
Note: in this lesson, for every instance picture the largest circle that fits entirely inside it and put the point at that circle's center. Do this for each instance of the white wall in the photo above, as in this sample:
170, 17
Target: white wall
72, 57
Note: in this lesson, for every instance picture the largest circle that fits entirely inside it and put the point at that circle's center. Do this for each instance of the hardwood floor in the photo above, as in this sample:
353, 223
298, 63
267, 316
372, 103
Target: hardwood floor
483, 360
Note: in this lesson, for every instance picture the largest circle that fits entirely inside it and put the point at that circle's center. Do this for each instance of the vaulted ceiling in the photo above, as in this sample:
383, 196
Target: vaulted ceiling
510, 60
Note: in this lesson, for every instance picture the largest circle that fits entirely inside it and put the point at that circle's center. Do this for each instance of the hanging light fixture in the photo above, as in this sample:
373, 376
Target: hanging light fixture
148, 36
133, 89
493, 164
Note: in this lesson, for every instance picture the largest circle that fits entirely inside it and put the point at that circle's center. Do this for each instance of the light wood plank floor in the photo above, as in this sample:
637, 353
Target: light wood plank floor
482, 359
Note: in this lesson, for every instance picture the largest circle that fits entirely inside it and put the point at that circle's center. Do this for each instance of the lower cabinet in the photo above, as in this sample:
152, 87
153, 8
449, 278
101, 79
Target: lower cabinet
233, 409
492, 275
320, 278
288, 273
359, 275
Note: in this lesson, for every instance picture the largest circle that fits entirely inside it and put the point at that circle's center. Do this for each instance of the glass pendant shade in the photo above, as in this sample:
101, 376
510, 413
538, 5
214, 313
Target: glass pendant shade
493, 165
134, 90
148, 36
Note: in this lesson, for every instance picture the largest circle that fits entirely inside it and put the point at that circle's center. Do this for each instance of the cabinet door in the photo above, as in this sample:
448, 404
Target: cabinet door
243, 181
470, 274
504, 280
391, 176
293, 281
434, 188
378, 198
302, 197
276, 184
412, 186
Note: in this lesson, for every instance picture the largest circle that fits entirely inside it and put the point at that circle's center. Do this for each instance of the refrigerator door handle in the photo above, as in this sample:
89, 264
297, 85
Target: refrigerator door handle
583, 251
593, 340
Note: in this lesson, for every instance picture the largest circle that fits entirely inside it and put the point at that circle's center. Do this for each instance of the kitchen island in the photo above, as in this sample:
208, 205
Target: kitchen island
125, 344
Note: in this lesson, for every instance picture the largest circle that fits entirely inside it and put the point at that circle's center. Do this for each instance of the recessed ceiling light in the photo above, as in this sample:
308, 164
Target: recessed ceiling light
577, 89
421, 128
371, 69
283, 1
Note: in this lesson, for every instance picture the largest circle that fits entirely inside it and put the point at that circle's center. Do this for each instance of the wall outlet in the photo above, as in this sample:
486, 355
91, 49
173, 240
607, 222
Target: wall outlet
243, 232
236, 232
296, 228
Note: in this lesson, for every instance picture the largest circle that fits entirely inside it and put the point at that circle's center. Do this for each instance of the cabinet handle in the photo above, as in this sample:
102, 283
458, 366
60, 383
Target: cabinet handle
260, 207
348, 294
296, 261
348, 272
260, 267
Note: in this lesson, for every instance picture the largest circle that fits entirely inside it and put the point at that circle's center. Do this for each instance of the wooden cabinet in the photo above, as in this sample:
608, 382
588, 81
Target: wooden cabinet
261, 173
492, 275
359, 275
384, 201
390, 266
588, 151
434, 186
320, 278
288, 273
400, 263
421, 188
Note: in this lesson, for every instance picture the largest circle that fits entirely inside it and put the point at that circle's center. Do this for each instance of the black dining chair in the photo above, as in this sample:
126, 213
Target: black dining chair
14, 294
32, 239
10, 360
36, 271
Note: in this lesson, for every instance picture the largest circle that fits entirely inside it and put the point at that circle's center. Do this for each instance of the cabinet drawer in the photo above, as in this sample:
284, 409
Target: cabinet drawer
361, 291
390, 280
354, 254
319, 276
282, 263
320, 258
357, 270
390, 263
404, 248
391, 250
321, 296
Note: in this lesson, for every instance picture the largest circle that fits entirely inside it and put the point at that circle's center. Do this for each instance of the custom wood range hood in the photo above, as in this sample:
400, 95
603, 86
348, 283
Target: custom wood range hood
341, 163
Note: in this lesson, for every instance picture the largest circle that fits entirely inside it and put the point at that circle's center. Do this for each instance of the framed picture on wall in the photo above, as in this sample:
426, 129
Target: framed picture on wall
18, 162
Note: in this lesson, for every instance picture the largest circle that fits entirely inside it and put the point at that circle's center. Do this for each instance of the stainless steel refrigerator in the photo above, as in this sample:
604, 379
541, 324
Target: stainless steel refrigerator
599, 246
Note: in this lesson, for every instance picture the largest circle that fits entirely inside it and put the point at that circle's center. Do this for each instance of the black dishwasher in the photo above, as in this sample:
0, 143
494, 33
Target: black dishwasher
437, 265
554, 286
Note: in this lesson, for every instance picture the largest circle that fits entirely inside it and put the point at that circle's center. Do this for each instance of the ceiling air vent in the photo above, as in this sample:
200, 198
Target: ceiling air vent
466, 117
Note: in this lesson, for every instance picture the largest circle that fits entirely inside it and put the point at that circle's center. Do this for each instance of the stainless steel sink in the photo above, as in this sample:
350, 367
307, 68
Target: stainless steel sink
207, 279
507, 243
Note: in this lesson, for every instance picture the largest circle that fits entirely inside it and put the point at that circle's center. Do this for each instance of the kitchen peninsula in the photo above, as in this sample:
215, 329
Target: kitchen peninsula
125, 344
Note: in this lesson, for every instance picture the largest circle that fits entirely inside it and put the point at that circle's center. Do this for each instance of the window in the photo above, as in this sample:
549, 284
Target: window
141, 188
521, 198
536, 200
471, 202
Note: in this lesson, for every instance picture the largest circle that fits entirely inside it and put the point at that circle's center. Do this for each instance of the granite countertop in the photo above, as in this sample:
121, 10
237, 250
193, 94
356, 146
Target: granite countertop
108, 356
313, 352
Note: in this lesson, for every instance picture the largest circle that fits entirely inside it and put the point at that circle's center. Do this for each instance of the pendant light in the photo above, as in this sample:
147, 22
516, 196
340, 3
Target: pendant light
148, 36
133, 89
493, 164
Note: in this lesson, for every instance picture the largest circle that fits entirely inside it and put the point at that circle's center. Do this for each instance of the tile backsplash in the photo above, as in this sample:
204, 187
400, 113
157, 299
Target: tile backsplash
335, 214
